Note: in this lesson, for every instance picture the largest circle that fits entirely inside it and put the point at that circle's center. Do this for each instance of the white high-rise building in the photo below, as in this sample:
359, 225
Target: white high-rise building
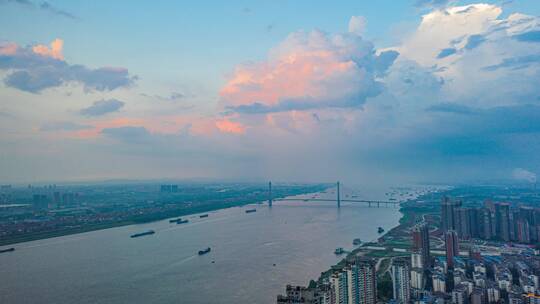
401, 282
418, 279
356, 284
416, 260
439, 283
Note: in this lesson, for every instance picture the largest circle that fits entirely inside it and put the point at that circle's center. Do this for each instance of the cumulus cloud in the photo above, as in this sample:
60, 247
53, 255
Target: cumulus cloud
227, 126
521, 174
357, 25
36, 68
462, 92
102, 107
54, 51
483, 56
460, 101
306, 71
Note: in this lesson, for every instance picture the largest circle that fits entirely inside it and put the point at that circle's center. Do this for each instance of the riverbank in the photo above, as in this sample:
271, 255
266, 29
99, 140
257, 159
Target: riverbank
145, 218
254, 252
394, 243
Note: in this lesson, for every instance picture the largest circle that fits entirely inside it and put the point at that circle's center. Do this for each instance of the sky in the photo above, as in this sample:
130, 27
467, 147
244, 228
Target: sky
379, 92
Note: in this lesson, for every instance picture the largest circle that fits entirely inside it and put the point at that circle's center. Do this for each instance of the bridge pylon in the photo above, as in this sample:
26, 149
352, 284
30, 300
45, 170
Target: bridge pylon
338, 196
270, 199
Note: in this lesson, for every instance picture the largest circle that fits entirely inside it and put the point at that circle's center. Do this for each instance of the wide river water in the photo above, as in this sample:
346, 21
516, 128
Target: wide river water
253, 256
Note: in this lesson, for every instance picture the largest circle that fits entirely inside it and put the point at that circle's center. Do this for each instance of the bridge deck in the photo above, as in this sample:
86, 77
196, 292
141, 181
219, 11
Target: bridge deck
334, 200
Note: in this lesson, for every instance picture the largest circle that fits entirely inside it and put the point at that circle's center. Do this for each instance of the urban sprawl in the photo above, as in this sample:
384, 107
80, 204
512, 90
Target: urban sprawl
440, 253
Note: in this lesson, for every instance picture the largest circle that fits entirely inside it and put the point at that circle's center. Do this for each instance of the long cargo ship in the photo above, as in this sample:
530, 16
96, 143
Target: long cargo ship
7, 250
182, 221
149, 232
251, 210
205, 251
203, 215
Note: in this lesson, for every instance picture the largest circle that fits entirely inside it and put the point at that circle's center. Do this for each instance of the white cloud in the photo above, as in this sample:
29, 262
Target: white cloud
357, 25
524, 175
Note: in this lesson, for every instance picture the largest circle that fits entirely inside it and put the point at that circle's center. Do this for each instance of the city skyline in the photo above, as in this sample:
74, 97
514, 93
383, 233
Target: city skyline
380, 92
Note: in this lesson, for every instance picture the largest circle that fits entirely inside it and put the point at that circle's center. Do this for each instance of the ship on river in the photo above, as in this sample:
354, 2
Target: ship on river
205, 251
7, 250
149, 232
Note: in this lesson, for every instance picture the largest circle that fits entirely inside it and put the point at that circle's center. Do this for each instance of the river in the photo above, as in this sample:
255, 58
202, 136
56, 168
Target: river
253, 257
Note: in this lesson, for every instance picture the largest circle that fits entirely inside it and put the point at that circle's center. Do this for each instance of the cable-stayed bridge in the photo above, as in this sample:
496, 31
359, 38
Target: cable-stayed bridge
338, 199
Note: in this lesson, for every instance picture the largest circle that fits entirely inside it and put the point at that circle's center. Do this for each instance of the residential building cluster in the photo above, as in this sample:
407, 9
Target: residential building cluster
493, 221
354, 283
472, 277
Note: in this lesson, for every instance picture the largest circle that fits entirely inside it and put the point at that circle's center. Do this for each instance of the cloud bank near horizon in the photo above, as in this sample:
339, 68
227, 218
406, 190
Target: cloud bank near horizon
456, 99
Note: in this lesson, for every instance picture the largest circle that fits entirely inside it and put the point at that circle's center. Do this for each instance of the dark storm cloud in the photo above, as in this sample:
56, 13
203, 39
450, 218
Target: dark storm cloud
500, 137
497, 120
102, 107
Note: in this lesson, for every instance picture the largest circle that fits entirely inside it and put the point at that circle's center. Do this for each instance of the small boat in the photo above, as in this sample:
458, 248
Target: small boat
182, 222
251, 210
149, 232
205, 251
7, 250
380, 230
339, 251
203, 215
357, 242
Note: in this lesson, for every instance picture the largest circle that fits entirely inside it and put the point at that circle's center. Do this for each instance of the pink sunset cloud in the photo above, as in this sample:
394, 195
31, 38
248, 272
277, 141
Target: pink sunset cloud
8, 48
195, 125
53, 51
227, 126
307, 70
